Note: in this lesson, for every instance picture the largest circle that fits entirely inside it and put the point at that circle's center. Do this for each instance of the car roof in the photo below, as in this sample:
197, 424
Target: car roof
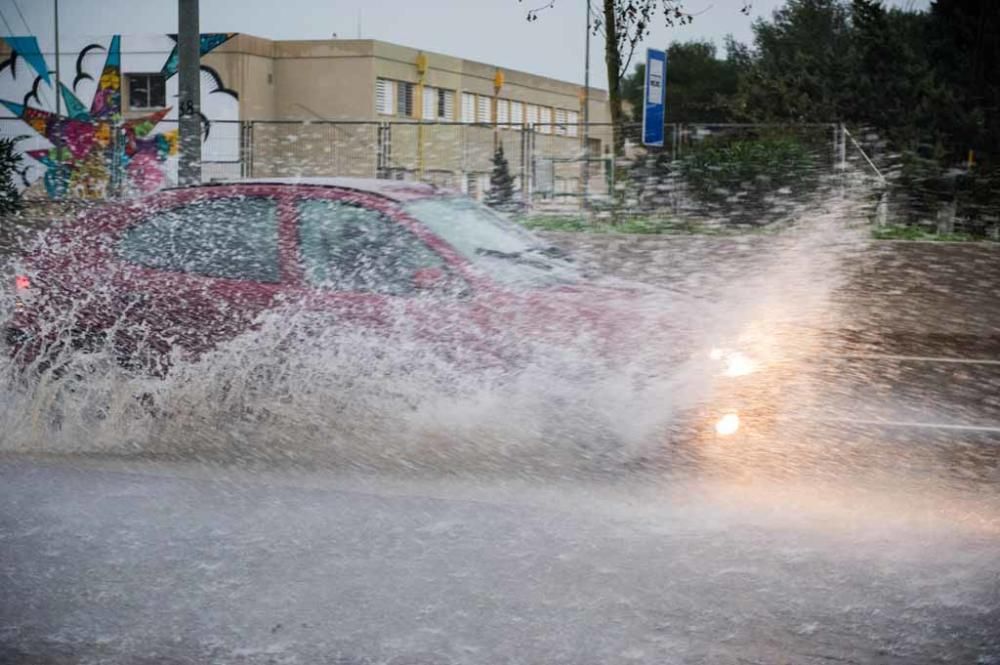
397, 190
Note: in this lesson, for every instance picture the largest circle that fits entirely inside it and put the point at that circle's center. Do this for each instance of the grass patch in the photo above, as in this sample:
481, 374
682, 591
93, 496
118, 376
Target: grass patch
634, 225
900, 232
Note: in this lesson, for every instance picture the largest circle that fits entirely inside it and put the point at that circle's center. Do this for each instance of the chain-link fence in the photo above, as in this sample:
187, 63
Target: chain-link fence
922, 194
745, 174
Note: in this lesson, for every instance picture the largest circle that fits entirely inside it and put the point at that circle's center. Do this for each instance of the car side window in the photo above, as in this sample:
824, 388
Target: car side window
351, 248
226, 237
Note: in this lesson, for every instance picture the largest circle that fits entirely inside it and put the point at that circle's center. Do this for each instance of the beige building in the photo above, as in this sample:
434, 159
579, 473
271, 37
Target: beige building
380, 109
338, 107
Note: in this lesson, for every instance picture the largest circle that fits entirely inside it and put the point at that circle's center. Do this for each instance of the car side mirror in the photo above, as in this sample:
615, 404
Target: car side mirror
429, 279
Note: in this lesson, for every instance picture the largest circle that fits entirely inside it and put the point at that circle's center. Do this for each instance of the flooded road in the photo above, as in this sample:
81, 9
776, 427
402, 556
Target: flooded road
861, 525
118, 563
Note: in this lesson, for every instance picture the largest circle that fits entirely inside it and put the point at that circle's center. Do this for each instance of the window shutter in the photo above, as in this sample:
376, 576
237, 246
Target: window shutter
483, 114
404, 103
561, 122
516, 113
430, 103
531, 114
446, 105
545, 120
384, 102
503, 115
468, 107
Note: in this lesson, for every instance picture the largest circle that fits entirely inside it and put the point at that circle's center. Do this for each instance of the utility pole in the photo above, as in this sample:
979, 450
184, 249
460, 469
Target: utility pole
58, 90
585, 171
61, 175
189, 92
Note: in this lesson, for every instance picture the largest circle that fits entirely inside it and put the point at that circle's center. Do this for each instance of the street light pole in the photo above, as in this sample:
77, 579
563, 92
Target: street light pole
189, 92
585, 171
58, 90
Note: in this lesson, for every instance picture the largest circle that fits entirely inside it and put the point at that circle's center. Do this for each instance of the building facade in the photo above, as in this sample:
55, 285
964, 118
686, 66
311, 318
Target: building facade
292, 108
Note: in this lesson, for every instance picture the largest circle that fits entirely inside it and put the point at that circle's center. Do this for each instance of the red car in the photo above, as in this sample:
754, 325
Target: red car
185, 269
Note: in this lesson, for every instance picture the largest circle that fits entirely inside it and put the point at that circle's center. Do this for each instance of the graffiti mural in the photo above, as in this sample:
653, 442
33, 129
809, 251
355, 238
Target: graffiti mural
98, 149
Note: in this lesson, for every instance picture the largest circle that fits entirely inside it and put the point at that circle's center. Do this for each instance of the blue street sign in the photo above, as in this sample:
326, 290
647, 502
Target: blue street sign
653, 97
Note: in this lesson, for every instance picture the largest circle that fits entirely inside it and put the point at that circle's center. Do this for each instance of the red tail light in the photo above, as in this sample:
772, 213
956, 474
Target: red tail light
22, 283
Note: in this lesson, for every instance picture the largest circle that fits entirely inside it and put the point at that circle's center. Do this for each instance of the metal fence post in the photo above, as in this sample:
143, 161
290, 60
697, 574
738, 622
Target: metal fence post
382, 148
529, 164
246, 138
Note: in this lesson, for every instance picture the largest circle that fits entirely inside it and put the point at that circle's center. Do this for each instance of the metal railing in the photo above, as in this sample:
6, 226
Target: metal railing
551, 168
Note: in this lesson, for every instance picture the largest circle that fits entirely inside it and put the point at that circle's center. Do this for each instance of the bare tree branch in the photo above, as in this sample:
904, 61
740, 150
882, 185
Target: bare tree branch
623, 70
624, 25
532, 14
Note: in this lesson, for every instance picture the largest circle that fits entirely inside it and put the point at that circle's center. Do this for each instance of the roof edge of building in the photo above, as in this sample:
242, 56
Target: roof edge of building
324, 48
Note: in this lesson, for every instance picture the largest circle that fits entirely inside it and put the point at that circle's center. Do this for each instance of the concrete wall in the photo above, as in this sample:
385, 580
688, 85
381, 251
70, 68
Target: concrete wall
330, 80
247, 64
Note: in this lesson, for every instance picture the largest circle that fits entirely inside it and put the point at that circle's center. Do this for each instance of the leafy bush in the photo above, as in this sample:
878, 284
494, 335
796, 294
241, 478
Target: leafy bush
978, 200
10, 159
749, 180
925, 187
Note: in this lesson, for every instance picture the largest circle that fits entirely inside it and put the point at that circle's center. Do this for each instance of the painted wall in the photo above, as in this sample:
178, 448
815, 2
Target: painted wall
96, 145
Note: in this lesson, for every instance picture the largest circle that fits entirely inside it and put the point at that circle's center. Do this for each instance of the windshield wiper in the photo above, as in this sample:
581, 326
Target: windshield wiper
553, 252
517, 257
483, 251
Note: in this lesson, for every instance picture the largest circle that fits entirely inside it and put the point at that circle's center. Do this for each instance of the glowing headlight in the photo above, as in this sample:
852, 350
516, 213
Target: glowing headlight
738, 364
727, 425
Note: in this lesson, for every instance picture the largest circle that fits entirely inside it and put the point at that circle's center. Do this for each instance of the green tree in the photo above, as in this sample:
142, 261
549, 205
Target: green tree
965, 51
501, 194
624, 24
893, 86
700, 87
799, 70
10, 159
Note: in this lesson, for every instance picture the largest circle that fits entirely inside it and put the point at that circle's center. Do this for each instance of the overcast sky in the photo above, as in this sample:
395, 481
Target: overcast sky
493, 31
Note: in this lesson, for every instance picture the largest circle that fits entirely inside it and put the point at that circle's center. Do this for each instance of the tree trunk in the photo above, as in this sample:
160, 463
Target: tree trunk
613, 61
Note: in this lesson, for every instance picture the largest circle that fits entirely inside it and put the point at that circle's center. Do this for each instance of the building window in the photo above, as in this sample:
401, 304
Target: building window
545, 119
503, 112
483, 111
561, 122
437, 104
531, 114
572, 119
428, 104
385, 99
404, 100
516, 113
445, 105
147, 91
468, 107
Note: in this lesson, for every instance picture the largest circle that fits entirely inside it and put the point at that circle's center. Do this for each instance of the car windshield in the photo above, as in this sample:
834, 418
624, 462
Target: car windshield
502, 249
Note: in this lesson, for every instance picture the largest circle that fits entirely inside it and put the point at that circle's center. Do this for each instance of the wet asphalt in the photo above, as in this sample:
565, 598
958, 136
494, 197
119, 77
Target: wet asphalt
886, 551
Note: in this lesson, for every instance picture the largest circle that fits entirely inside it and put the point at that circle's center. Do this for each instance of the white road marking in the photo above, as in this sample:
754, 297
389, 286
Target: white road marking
926, 359
993, 429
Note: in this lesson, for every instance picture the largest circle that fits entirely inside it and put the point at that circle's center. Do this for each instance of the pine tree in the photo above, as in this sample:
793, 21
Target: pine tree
501, 193
10, 198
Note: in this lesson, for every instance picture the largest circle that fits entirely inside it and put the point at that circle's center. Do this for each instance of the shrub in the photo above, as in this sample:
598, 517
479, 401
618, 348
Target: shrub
750, 180
501, 194
10, 159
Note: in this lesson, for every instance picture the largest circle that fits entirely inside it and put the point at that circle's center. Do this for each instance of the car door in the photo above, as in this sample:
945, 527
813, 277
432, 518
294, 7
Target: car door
199, 268
362, 267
